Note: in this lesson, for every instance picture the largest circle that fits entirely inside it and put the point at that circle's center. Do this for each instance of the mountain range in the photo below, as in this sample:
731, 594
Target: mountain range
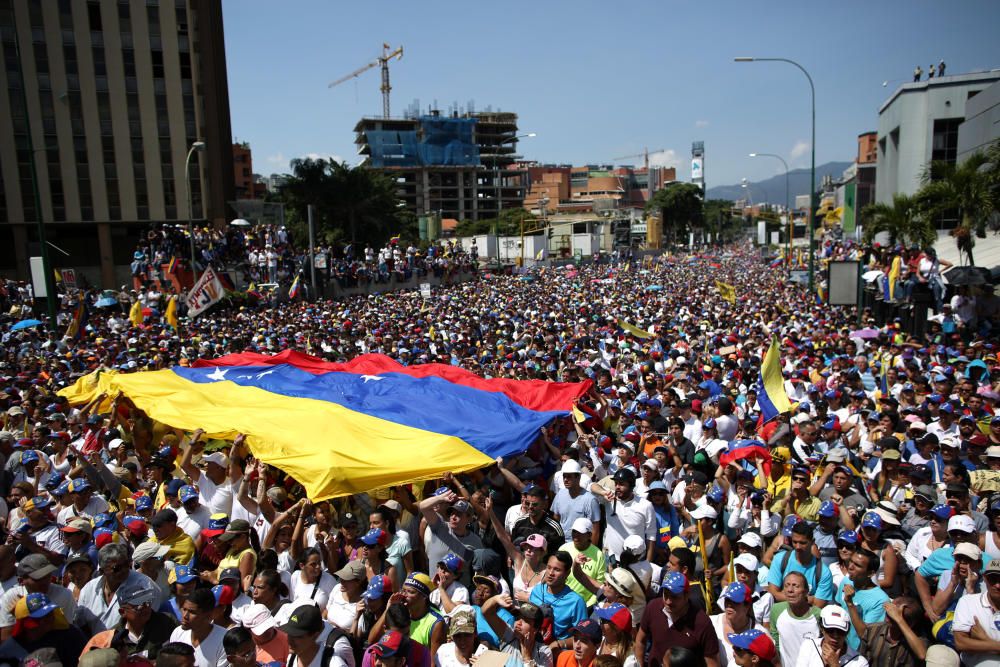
772, 190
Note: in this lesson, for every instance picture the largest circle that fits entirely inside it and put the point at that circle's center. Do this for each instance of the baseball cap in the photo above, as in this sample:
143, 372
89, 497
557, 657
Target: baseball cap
36, 503
257, 619
391, 644
737, 592
224, 594
674, 583
216, 525
230, 574
890, 455
135, 595
305, 620
993, 452
379, 586
452, 563
181, 574
353, 571
571, 467
535, 541
961, 523
828, 509
748, 562
635, 545
39, 605
790, 522
872, 520
235, 528
968, 550
143, 503
755, 641
617, 614
582, 525
833, 617
187, 493
752, 540
993, 567
589, 629
78, 525
218, 458
35, 566
925, 491
848, 536
704, 512
375, 536
148, 550
135, 524
79, 485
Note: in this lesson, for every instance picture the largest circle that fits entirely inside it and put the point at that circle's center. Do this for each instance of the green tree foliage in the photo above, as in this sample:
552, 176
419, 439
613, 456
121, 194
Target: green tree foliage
970, 188
508, 224
681, 208
904, 220
350, 203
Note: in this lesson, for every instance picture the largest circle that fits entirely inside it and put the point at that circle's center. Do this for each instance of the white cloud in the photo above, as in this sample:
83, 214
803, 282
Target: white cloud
667, 158
701, 123
279, 160
799, 149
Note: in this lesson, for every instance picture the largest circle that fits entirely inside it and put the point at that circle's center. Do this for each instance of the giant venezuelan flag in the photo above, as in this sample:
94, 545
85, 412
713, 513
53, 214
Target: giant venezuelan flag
532, 394
338, 432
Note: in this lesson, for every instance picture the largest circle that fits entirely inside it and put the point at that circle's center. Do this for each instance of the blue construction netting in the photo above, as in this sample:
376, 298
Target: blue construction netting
437, 142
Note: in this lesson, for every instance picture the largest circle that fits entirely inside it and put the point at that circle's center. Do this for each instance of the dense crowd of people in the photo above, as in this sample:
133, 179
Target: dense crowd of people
664, 521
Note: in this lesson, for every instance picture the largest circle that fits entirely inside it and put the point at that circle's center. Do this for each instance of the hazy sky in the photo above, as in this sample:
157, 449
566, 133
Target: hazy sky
597, 80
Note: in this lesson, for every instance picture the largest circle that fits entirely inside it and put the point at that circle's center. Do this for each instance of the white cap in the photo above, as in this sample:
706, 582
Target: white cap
968, 550
257, 619
835, 618
951, 443
217, 458
148, 550
571, 467
635, 545
753, 540
651, 464
582, 525
748, 562
704, 512
940, 655
962, 523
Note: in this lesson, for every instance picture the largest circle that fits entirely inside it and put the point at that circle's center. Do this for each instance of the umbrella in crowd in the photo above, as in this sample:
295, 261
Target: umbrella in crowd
968, 275
25, 324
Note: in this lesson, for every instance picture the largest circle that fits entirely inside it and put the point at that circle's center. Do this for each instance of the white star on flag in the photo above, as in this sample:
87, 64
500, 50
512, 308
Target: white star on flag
366, 378
218, 374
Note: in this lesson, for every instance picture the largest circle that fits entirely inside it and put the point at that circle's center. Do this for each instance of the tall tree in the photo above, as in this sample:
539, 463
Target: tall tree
680, 207
351, 203
903, 220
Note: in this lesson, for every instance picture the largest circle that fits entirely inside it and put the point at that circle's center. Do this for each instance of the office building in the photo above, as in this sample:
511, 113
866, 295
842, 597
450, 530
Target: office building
920, 123
982, 123
115, 93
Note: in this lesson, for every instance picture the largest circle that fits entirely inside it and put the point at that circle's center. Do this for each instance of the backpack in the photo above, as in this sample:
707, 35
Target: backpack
817, 571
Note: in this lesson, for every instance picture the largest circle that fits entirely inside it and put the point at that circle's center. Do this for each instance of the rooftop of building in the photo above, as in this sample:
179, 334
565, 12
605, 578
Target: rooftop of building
942, 82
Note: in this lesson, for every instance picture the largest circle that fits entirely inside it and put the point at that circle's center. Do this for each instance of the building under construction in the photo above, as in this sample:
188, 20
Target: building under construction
455, 165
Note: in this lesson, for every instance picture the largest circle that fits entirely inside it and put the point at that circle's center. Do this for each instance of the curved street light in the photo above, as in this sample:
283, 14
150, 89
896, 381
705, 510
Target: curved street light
788, 210
812, 167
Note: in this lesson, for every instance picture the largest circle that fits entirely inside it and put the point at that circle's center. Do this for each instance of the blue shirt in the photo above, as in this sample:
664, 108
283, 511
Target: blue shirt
943, 559
568, 608
869, 603
570, 509
483, 630
824, 591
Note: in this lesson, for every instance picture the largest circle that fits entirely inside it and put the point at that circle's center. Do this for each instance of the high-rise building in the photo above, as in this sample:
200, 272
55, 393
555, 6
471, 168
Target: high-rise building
115, 94
458, 166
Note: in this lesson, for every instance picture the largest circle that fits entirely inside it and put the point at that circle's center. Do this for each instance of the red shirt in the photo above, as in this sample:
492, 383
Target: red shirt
693, 631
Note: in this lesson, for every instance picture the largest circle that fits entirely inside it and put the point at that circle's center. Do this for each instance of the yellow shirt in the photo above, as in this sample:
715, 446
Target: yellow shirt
181, 547
233, 560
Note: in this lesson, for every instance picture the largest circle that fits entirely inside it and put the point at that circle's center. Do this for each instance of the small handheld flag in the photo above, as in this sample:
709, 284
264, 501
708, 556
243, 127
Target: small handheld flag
726, 291
293, 291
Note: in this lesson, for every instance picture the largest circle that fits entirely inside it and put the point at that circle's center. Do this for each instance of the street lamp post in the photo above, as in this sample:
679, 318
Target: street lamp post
788, 210
198, 146
812, 166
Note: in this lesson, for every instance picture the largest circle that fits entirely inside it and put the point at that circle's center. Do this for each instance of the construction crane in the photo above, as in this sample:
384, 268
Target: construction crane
383, 61
644, 155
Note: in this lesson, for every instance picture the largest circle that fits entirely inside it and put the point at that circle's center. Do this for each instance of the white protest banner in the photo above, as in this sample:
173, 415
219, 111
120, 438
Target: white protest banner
208, 291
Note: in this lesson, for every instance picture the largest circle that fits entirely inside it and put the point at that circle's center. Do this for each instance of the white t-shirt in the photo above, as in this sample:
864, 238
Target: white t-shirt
192, 523
209, 653
971, 608
339, 610
94, 506
59, 595
300, 591
459, 594
810, 655
627, 517
217, 498
445, 656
